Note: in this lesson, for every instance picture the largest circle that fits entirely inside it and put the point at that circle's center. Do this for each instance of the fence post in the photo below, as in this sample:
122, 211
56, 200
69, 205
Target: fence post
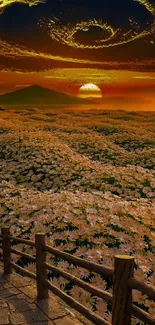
42, 290
122, 294
6, 250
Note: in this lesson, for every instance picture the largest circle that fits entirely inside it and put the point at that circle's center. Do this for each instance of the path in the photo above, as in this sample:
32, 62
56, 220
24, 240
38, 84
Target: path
19, 306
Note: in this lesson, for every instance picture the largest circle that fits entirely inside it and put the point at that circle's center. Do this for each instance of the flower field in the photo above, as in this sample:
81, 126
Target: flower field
86, 179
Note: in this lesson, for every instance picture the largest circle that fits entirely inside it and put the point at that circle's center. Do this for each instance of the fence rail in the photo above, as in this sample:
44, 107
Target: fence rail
142, 287
22, 241
95, 291
93, 267
122, 275
25, 272
27, 256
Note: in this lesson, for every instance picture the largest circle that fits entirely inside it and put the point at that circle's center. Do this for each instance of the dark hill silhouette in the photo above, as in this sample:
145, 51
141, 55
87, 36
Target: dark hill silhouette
36, 94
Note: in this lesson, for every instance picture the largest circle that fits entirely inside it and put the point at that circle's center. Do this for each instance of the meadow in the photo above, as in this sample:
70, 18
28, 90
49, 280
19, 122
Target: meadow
86, 179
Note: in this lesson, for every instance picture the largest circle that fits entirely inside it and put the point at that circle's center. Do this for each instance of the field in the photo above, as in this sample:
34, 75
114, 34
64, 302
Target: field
87, 179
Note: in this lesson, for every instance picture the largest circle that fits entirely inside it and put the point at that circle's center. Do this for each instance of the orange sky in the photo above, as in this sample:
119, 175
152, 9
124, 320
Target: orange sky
63, 45
114, 84
69, 80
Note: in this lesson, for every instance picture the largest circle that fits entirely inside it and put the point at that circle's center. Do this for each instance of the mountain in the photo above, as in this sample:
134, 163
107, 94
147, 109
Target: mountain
36, 94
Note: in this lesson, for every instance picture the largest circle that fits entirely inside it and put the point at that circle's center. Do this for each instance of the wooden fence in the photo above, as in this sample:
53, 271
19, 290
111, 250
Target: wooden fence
122, 275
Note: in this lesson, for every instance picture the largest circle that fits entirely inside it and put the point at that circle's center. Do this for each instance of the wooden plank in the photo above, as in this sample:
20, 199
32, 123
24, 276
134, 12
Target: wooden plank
42, 290
23, 241
25, 255
93, 267
97, 292
122, 294
25, 272
142, 315
97, 320
142, 287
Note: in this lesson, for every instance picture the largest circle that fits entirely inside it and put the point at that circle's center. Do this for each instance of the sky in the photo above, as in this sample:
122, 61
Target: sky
64, 44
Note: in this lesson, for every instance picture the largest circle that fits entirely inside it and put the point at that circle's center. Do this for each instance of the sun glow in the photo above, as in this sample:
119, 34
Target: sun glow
90, 90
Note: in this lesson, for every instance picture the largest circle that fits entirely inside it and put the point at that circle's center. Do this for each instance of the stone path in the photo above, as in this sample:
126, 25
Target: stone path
19, 306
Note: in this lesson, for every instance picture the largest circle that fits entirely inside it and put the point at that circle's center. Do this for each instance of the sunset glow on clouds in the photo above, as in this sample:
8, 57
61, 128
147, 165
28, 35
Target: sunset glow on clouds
115, 36
144, 77
87, 34
15, 51
6, 3
65, 45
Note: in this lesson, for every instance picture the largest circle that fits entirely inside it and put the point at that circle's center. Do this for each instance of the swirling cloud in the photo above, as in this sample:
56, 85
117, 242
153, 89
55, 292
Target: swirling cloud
112, 36
6, 3
148, 5
44, 56
66, 34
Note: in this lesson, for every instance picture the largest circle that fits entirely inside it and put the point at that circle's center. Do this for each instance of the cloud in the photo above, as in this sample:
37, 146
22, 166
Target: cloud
99, 76
115, 36
86, 52
40, 61
23, 85
30, 3
149, 6
80, 75
17, 51
144, 77
66, 34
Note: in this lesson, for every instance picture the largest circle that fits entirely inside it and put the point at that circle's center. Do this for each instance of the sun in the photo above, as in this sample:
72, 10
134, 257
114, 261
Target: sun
90, 91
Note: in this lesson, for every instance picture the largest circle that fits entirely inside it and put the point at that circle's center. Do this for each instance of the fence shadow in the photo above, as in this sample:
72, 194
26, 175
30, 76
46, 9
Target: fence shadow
20, 307
122, 275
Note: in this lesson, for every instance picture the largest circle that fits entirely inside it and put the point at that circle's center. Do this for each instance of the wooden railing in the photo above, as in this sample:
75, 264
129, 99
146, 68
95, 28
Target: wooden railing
122, 275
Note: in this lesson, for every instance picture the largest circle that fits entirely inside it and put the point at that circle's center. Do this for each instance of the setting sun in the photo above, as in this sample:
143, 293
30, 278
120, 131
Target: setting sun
77, 160
90, 90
